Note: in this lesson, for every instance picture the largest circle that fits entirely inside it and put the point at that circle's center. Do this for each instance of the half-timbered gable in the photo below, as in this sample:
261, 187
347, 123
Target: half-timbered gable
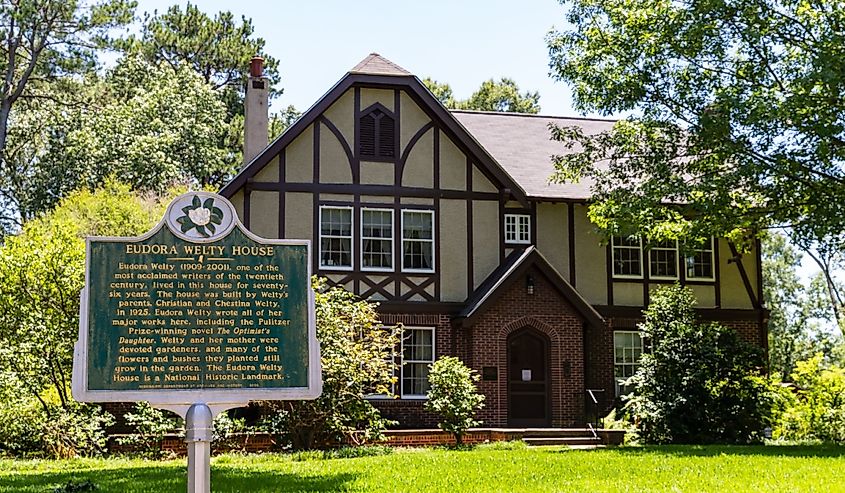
448, 219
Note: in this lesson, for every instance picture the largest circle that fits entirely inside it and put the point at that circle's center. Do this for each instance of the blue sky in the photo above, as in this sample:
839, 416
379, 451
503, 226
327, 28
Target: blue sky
459, 42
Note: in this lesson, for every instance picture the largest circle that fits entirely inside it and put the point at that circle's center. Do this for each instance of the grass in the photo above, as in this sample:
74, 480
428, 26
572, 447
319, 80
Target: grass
768, 469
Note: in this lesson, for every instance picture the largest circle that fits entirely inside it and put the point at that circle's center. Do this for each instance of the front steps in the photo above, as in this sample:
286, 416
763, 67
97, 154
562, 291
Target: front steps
571, 437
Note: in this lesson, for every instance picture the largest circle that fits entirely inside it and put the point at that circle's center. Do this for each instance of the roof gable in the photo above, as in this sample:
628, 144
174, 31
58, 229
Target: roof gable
418, 92
376, 64
514, 267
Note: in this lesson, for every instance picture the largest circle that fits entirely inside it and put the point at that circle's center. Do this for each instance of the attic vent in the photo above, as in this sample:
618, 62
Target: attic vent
377, 132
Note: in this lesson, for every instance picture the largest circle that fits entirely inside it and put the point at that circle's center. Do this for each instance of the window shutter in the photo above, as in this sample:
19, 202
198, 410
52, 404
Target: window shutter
386, 145
377, 134
368, 135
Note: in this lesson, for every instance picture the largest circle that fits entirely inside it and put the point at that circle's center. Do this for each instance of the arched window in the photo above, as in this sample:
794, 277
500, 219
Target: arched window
376, 133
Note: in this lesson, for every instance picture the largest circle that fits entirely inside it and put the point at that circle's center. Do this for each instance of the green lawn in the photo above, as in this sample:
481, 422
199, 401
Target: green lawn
675, 469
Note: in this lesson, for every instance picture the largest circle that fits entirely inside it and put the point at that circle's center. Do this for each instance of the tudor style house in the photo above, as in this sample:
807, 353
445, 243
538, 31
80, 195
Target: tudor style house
448, 220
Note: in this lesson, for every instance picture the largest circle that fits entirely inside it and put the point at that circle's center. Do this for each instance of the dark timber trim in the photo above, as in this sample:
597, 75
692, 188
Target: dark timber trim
717, 271
382, 190
570, 223
609, 266
514, 269
282, 171
247, 205
470, 239
437, 217
415, 89
315, 231
334, 130
737, 258
715, 314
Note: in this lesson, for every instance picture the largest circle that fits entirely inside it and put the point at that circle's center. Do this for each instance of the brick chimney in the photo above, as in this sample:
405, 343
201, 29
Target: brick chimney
256, 120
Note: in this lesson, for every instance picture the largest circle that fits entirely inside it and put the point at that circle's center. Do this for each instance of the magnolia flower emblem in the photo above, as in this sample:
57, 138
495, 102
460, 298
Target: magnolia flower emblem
202, 216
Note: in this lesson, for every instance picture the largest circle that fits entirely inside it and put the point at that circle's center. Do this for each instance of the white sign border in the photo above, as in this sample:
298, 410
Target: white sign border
179, 399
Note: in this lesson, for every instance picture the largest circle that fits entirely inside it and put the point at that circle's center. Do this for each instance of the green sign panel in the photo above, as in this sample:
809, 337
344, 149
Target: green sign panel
197, 310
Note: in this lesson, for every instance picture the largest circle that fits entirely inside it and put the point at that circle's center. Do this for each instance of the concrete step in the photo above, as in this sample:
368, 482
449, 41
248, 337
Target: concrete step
570, 441
556, 432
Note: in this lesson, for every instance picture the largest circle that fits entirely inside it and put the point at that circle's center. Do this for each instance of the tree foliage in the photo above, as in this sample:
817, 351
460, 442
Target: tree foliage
800, 319
356, 355
818, 408
453, 396
217, 48
41, 277
699, 383
149, 128
502, 95
48, 47
736, 110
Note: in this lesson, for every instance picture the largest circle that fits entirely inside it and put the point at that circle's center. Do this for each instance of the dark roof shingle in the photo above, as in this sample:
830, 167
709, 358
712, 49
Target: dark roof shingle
522, 145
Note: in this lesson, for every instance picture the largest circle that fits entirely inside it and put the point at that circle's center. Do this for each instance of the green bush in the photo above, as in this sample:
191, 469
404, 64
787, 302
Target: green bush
356, 356
817, 410
699, 383
32, 428
149, 425
21, 423
76, 430
452, 395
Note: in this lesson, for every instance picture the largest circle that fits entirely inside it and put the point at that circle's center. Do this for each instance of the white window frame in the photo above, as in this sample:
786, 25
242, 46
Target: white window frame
712, 250
351, 238
652, 275
392, 239
614, 247
432, 241
517, 237
618, 381
401, 382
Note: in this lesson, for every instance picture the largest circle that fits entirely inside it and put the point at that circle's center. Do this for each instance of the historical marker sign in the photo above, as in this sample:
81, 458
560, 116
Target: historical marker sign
197, 310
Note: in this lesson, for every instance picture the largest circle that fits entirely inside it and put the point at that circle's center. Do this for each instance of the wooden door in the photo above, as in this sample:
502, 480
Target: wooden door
528, 379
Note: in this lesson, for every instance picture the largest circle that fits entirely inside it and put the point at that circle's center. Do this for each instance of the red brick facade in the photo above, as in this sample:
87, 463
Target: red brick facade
581, 355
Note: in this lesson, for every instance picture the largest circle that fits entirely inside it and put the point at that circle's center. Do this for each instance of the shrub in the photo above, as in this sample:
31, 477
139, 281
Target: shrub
817, 410
700, 383
150, 425
453, 396
76, 430
356, 356
21, 425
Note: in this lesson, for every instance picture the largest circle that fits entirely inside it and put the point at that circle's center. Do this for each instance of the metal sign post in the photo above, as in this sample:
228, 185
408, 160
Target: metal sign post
197, 316
199, 427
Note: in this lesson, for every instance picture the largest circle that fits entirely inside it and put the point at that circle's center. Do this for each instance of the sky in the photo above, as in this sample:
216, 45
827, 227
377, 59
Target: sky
459, 42
462, 43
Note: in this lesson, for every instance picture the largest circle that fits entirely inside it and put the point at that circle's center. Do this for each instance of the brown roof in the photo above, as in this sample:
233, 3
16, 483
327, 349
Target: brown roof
376, 64
522, 145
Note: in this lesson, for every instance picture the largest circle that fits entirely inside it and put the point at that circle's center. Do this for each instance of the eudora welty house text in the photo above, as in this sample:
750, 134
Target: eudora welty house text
447, 219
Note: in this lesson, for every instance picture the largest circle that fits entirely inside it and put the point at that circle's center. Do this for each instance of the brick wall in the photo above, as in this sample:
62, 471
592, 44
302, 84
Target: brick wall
600, 368
410, 413
545, 311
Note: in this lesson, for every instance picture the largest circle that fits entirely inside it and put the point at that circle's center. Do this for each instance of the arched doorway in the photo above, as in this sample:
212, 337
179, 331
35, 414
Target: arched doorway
529, 404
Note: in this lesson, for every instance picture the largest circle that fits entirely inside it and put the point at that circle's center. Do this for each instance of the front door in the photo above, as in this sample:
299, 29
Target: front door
528, 379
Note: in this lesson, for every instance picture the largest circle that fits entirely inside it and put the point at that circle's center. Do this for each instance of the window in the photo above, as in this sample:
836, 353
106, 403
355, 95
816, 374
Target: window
377, 239
377, 134
663, 260
417, 355
628, 349
627, 260
517, 228
417, 241
336, 238
700, 263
